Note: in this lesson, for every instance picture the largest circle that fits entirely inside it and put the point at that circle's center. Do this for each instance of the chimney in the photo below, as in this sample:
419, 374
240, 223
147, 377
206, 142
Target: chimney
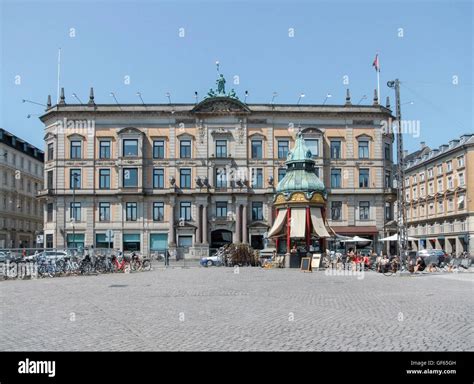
376, 97
48, 104
91, 97
62, 98
387, 103
422, 145
348, 97
405, 153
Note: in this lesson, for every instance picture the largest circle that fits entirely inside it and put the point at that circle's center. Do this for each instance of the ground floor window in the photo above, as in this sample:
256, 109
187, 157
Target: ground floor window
256, 242
185, 241
75, 240
101, 241
158, 241
49, 241
131, 242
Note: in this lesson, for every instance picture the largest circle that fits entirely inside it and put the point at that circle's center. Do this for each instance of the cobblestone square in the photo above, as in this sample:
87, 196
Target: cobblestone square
254, 309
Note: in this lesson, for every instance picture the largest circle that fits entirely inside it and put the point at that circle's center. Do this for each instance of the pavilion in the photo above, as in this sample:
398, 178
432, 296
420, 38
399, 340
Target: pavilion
300, 203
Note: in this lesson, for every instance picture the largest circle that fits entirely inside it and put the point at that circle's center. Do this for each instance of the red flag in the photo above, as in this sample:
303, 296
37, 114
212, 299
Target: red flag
376, 64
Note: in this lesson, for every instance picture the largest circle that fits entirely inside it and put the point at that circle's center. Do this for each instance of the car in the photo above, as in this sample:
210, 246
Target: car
430, 256
210, 261
48, 255
4, 256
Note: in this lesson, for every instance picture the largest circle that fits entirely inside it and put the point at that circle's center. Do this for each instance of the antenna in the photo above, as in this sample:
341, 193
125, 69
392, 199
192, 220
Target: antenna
77, 98
59, 74
140, 97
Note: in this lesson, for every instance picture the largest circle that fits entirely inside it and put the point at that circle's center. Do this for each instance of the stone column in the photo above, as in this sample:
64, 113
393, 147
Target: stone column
171, 236
245, 237
204, 224
199, 227
238, 224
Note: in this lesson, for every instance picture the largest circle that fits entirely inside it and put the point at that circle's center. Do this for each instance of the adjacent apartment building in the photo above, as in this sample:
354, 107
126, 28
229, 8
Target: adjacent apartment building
439, 196
197, 176
21, 175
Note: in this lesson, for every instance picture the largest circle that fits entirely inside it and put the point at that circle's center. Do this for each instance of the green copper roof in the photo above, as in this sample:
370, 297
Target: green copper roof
300, 171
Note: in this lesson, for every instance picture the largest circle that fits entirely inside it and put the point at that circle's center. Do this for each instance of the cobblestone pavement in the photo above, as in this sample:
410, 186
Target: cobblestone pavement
255, 309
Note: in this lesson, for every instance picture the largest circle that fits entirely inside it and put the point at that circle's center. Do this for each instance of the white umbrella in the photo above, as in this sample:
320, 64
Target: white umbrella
395, 238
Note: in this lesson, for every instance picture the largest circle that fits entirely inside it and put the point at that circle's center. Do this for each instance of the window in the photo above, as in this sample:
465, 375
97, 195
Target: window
364, 210
422, 191
50, 151
158, 149
185, 178
440, 185
75, 178
130, 177
461, 180
388, 179
336, 210
283, 147
101, 241
185, 149
257, 150
422, 177
158, 211
440, 169
75, 212
49, 241
104, 149
49, 181
450, 204
431, 188
363, 178
388, 151
336, 178
335, 149
130, 147
388, 211
430, 173
450, 182
449, 166
363, 149
185, 211
461, 204
158, 178
414, 194
257, 177
415, 179
281, 173
76, 149
257, 210
313, 146
422, 210
49, 212
221, 209
221, 148
221, 178
104, 211
431, 208
460, 161
131, 211
185, 241
104, 178
440, 206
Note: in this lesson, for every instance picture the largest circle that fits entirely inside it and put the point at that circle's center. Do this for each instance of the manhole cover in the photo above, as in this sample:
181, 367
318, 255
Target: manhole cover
117, 286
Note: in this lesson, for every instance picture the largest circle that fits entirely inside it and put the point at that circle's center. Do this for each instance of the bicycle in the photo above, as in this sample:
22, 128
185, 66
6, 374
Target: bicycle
139, 264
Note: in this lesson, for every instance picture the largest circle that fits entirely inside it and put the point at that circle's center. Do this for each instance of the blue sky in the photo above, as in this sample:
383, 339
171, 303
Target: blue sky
251, 40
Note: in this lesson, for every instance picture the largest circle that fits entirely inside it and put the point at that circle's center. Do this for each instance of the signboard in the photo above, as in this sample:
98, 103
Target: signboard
316, 261
39, 239
306, 264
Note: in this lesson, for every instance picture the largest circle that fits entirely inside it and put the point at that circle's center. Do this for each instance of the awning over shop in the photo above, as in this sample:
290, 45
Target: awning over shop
279, 224
298, 221
353, 230
318, 223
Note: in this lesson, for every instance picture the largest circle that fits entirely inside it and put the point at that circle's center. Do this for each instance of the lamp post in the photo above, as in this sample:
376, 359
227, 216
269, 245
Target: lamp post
73, 213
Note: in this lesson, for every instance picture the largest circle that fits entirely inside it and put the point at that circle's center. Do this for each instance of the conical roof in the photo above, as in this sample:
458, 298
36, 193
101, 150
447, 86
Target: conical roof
300, 171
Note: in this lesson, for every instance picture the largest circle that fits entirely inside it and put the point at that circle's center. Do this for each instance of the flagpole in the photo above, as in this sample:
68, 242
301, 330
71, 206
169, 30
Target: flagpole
378, 86
59, 73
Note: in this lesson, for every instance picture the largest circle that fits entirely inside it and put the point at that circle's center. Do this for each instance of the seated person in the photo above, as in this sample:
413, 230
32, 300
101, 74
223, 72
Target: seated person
366, 261
419, 265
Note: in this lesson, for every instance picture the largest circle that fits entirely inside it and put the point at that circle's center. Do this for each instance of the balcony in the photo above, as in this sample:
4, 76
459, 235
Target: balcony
45, 192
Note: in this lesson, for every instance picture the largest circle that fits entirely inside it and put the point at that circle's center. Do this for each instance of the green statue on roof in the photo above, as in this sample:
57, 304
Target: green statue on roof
221, 85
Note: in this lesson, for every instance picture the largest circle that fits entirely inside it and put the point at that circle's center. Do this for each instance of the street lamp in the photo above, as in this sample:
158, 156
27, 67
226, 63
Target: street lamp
75, 178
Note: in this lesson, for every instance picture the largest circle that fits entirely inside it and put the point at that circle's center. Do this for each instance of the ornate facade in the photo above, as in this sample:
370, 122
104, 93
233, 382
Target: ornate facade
196, 176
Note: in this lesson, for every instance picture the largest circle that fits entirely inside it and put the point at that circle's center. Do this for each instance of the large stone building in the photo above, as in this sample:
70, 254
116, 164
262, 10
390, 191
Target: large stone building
21, 175
195, 176
439, 190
